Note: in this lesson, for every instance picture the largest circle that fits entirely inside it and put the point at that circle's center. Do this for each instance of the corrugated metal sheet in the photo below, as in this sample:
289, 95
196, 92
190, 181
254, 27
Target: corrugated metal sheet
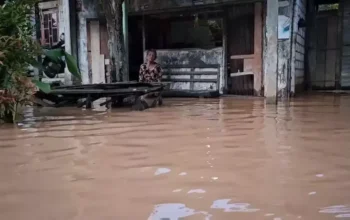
345, 73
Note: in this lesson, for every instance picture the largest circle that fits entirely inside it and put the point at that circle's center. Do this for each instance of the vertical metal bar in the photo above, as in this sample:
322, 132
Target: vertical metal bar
218, 77
225, 55
143, 37
325, 55
191, 72
340, 40
126, 38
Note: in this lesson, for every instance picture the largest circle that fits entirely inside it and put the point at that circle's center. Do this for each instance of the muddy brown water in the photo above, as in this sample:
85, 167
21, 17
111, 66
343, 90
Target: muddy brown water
190, 159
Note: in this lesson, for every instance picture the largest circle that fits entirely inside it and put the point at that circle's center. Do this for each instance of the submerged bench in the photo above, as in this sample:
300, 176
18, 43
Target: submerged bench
192, 80
114, 92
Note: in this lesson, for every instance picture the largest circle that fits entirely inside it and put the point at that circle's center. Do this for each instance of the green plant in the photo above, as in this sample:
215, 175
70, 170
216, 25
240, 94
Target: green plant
56, 54
18, 50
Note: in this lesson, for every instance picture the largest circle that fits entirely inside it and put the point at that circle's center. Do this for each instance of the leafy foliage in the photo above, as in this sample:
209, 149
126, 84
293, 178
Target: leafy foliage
56, 54
18, 50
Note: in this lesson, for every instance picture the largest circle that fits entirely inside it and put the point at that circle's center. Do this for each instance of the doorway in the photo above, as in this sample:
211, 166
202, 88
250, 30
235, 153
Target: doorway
244, 49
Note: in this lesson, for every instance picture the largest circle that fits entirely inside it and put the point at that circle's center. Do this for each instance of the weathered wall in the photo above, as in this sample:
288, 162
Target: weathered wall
87, 10
194, 58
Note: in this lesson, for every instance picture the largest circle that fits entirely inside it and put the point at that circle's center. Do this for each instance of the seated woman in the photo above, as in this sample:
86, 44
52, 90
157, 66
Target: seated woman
150, 71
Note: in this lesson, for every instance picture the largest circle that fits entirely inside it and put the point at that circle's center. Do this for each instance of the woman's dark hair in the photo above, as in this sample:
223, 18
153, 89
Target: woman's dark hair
152, 51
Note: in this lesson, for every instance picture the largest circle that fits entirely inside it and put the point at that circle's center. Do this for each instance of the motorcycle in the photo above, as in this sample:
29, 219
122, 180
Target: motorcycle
53, 67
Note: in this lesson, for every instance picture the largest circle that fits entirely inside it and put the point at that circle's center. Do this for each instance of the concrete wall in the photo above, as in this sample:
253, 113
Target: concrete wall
88, 10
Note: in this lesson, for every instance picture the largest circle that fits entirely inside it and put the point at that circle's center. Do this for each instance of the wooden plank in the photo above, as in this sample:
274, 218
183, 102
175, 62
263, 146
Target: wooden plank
85, 92
104, 40
258, 43
177, 73
112, 85
191, 66
102, 72
248, 65
48, 5
241, 74
191, 80
239, 57
95, 50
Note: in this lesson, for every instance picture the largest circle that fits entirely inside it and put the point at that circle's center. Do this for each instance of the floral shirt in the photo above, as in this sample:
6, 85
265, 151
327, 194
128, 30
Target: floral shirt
148, 75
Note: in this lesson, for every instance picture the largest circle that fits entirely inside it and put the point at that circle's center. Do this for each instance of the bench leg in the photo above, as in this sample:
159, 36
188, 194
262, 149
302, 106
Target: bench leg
139, 104
88, 102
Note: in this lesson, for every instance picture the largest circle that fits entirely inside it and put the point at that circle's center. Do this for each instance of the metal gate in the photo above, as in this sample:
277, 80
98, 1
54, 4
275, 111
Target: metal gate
345, 73
324, 51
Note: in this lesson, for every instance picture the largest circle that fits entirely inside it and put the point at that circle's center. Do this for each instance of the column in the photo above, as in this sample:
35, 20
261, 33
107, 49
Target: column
270, 52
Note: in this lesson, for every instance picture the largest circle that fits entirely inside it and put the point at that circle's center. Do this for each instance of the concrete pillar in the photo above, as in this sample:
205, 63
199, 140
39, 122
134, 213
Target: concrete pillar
270, 52
67, 40
82, 48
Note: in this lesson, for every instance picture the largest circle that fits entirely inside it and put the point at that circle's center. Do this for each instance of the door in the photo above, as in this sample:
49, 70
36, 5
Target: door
244, 30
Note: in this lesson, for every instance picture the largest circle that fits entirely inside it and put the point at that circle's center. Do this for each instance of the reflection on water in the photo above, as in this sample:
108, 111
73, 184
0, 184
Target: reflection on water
190, 159
175, 212
234, 207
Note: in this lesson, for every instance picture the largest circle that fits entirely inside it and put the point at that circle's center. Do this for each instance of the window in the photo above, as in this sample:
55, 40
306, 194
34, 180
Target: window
49, 27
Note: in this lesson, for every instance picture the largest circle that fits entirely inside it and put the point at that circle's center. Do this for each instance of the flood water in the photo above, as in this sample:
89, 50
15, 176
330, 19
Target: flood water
210, 159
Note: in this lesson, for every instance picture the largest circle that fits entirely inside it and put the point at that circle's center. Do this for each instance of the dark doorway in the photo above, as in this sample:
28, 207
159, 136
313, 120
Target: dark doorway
240, 30
135, 46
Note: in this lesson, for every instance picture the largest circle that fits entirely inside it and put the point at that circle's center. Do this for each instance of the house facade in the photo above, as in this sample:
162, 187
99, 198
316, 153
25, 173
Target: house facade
241, 47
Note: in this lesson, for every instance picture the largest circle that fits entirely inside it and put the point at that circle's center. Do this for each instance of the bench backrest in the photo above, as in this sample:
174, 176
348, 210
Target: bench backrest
185, 77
